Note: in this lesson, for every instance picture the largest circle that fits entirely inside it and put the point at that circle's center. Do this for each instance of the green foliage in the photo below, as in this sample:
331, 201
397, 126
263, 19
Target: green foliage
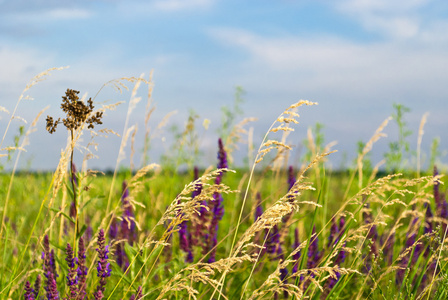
230, 114
398, 156
185, 146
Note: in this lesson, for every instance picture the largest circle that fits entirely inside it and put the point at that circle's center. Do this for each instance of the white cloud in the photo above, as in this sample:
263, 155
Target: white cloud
395, 19
20, 65
49, 15
67, 14
337, 64
174, 5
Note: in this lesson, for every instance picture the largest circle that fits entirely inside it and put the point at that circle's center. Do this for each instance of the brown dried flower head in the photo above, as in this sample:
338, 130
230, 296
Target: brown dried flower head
77, 113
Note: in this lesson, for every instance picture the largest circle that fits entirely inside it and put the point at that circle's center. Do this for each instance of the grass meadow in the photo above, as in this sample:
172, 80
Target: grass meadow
175, 231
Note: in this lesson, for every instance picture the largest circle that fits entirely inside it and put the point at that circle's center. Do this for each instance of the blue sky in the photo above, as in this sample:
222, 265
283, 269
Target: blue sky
354, 57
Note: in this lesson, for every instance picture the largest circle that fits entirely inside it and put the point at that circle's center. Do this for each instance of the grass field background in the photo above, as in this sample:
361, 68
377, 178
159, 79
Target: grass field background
272, 230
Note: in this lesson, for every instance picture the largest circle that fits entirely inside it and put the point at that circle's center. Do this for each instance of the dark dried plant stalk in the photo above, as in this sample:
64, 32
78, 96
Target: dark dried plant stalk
77, 114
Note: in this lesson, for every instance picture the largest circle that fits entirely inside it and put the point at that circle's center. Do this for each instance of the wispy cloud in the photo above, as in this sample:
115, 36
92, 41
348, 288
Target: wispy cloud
395, 19
176, 5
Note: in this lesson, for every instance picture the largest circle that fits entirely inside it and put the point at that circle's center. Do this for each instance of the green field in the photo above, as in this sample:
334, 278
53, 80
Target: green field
272, 231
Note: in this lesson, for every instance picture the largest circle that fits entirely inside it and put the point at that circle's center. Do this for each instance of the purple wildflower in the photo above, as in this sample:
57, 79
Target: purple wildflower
273, 240
184, 241
259, 208
139, 294
334, 233
313, 251
103, 267
113, 230
128, 223
291, 177
410, 240
72, 276
52, 293
49, 267
98, 295
297, 255
198, 224
29, 295
428, 219
217, 206
388, 249
185, 238
37, 284
82, 269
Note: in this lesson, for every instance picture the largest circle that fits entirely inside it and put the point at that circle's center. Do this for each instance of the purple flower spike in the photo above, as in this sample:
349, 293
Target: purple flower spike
217, 207
52, 293
291, 177
273, 240
128, 224
29, 295
37, 284
428, 219
139, 294
82, 269
222, 157
259, 208
389, 249
198, 225
103, 267
49, 268
297, 255
333, 237
72, 277
313, 251
184, 241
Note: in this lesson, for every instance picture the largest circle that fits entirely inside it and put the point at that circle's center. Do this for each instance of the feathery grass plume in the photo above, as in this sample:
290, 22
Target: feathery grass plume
72, 276
103, 268
184, 208
368, 147
201, 273
82, 269
236, 135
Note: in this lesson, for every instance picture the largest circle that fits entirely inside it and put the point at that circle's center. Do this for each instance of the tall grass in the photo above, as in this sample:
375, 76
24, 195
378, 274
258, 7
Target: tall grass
270, 232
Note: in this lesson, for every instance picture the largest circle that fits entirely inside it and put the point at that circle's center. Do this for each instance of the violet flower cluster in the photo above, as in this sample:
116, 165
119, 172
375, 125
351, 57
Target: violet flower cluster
186, 240
72, 276
49, 268
126, 229
217, 207
103, 268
